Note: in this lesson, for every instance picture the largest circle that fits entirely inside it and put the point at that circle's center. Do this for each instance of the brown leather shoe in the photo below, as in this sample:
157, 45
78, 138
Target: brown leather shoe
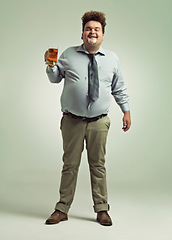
103, 218
56, 217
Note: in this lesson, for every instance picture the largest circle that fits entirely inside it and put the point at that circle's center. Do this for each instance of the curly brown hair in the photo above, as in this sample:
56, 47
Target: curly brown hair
94, 16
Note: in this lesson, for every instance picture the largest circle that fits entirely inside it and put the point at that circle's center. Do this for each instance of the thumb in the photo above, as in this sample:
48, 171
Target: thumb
124, 123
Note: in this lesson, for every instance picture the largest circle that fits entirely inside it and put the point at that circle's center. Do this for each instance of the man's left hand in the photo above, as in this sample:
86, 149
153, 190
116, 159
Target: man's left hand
126, 121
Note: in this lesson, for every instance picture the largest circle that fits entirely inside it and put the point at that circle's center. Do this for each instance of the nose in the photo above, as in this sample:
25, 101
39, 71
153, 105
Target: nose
92, 30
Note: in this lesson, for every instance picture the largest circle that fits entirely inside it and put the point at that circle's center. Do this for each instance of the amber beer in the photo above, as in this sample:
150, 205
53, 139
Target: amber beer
52, 56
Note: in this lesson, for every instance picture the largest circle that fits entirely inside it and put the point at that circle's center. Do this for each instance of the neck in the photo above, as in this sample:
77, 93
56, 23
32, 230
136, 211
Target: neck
91, 48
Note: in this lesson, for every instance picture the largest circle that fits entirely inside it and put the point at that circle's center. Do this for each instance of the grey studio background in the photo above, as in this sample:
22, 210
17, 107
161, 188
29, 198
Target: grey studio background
138, 162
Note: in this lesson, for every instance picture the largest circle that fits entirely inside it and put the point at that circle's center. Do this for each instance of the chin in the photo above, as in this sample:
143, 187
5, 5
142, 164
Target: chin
92, 43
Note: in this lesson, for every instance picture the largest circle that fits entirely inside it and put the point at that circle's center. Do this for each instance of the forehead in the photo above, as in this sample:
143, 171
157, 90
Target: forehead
93, 24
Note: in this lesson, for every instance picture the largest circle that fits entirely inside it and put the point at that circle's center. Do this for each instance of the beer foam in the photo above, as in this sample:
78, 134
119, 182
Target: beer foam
92, 40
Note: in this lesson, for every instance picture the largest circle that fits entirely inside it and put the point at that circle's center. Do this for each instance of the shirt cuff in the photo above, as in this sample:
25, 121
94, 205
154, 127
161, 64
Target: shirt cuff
51, 69
125, 107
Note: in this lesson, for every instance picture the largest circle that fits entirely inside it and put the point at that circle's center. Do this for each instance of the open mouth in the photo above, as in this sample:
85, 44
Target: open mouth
92, 36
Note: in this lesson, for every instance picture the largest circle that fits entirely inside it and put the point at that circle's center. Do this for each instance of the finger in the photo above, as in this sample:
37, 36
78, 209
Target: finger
124, 129
124, 123
45, 55
50, 65
127, 127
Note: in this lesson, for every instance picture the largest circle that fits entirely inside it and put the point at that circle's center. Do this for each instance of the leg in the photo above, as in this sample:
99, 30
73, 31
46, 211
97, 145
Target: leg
96, 136
73, 133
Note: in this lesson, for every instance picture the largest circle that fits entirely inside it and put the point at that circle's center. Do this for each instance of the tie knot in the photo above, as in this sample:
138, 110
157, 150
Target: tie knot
91, 56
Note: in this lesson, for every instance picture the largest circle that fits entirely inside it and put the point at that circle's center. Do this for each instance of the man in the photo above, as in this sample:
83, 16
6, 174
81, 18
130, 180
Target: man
91, 75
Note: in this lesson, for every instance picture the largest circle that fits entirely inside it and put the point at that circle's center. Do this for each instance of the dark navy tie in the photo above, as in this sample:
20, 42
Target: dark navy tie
93, 80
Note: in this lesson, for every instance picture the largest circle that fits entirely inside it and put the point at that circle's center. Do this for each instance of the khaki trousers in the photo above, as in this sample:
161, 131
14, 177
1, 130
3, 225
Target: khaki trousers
74, 133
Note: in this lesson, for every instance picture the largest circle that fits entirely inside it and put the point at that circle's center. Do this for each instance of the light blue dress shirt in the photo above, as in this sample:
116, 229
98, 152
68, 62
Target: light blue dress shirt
72, 66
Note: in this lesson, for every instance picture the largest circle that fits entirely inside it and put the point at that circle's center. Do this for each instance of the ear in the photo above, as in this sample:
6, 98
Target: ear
82, 36
103, 36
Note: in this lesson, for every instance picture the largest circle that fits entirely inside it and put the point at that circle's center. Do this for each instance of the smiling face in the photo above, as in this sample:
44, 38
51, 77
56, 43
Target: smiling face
92, 35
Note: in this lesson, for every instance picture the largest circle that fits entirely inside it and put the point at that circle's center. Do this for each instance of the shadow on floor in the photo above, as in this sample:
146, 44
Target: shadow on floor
82, 218
34, 211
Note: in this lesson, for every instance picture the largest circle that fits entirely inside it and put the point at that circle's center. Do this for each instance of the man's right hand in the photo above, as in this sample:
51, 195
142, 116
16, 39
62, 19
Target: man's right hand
45, 58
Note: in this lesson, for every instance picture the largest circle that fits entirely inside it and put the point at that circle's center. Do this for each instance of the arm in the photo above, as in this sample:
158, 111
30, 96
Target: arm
54, 74
119, 90
120, 94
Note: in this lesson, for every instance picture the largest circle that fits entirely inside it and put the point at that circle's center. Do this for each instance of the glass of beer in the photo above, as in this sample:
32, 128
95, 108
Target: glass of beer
52, 56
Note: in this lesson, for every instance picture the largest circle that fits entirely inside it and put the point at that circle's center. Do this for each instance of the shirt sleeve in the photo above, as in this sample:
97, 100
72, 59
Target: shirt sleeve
119, 90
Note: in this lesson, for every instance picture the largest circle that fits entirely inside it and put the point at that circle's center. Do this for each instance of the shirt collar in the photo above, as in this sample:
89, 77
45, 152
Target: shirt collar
82, 48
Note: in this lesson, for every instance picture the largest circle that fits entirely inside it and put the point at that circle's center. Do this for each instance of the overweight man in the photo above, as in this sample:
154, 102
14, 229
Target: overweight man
91, 76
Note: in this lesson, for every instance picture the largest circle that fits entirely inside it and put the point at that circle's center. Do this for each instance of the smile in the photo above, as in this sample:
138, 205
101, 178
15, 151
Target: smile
90, 36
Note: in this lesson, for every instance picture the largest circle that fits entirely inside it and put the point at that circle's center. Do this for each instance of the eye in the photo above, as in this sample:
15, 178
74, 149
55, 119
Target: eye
87, 29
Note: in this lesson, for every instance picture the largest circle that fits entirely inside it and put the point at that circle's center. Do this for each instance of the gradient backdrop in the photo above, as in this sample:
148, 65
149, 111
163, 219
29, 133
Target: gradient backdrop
138, 161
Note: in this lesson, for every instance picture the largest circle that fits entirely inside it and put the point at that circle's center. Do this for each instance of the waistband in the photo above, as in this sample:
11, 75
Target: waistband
85, 119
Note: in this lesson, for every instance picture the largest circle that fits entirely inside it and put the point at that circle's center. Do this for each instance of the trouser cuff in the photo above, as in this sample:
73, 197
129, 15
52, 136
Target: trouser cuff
101, 207
62, 207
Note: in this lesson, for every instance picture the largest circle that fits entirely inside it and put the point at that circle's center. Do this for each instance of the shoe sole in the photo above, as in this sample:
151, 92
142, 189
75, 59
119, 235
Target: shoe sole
62, 220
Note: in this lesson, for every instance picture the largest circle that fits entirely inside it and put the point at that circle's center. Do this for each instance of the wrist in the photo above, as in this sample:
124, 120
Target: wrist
127, 113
